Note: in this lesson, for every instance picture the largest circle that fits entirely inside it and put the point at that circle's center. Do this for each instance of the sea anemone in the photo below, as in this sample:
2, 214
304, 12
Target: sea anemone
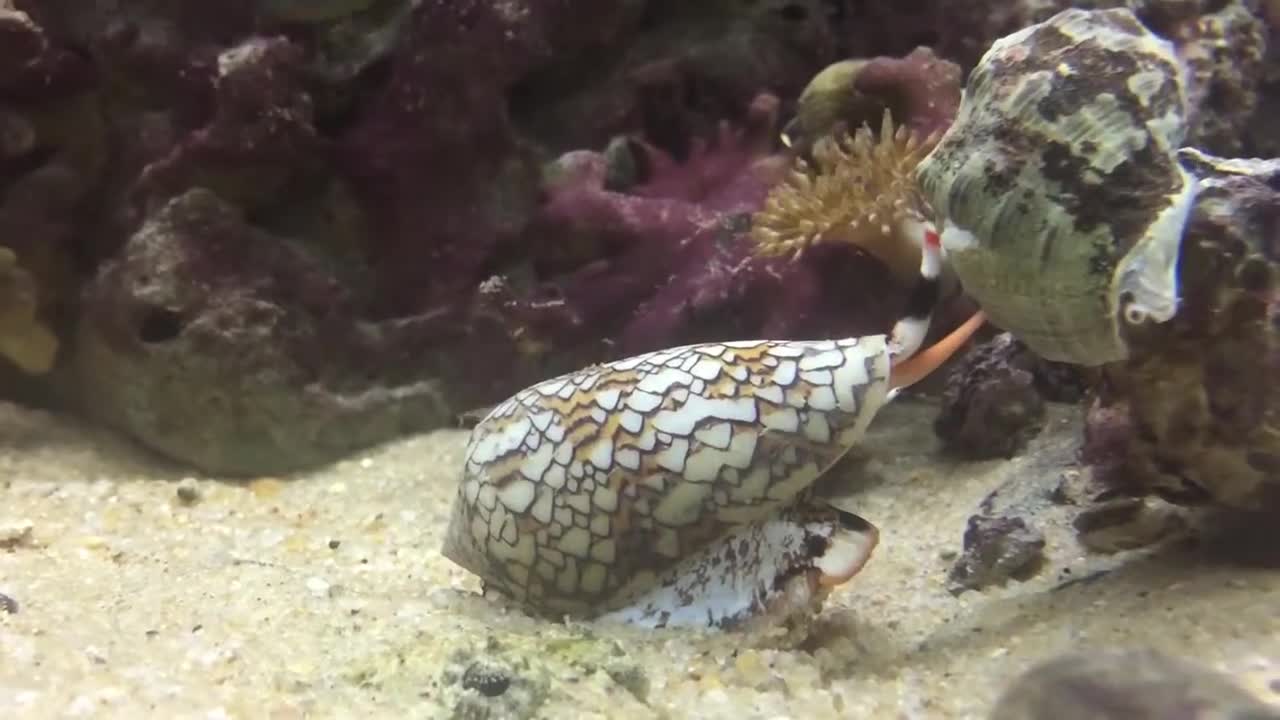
857, 189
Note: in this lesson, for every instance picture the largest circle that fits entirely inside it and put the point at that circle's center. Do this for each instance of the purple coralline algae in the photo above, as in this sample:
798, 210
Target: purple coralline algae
267, 236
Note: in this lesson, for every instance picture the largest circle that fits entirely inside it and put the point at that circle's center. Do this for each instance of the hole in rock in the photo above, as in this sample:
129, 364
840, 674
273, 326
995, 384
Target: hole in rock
794, 12
159, 325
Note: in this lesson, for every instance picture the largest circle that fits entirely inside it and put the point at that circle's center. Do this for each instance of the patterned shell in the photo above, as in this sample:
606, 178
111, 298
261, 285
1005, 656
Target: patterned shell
580, 491
1063, 200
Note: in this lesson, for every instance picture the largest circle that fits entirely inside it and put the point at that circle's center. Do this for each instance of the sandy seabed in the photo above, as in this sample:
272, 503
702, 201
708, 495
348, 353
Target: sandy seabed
143, 591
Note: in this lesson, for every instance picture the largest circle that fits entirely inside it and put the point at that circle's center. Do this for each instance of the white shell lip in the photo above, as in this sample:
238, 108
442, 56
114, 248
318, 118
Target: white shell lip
1148, 276
848, 551
768, 571
956, 239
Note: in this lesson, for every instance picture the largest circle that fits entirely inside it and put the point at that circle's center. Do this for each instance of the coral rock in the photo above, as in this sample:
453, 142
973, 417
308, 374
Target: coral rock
230, 349
1224, 52
259, 138
672, 70
1127, 523
1005, 537
1125, 684
1108, 427
30, 65
992, 403
435, 154
313, 11
996, 548
1199, 390
922, 89
670, 261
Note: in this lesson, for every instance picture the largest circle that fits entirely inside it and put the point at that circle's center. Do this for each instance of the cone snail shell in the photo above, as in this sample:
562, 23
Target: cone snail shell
672, 488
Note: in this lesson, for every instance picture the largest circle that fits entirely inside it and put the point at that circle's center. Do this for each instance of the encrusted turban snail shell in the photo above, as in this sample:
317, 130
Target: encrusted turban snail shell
1058, 187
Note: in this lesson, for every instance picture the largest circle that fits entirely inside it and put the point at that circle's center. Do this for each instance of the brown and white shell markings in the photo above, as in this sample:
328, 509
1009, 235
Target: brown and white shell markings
1059, 187
668, 489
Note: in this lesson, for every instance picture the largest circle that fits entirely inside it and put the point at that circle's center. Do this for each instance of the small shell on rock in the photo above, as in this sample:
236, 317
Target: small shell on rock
1058, 187
826, 105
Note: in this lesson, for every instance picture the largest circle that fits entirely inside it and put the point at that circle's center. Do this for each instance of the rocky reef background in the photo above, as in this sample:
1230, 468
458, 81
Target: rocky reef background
258, 235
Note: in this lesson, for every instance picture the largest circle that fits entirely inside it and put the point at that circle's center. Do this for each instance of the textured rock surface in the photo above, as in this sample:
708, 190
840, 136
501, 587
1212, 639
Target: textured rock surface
674, 69
1006, 537
1128, 684
997, 549
409, 149
1227, 44
1224, 48
226, 347
920, 89
1127, 523
1194, 415
994, 396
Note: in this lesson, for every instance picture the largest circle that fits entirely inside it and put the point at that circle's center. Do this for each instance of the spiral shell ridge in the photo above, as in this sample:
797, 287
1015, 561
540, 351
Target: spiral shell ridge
1058, 186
